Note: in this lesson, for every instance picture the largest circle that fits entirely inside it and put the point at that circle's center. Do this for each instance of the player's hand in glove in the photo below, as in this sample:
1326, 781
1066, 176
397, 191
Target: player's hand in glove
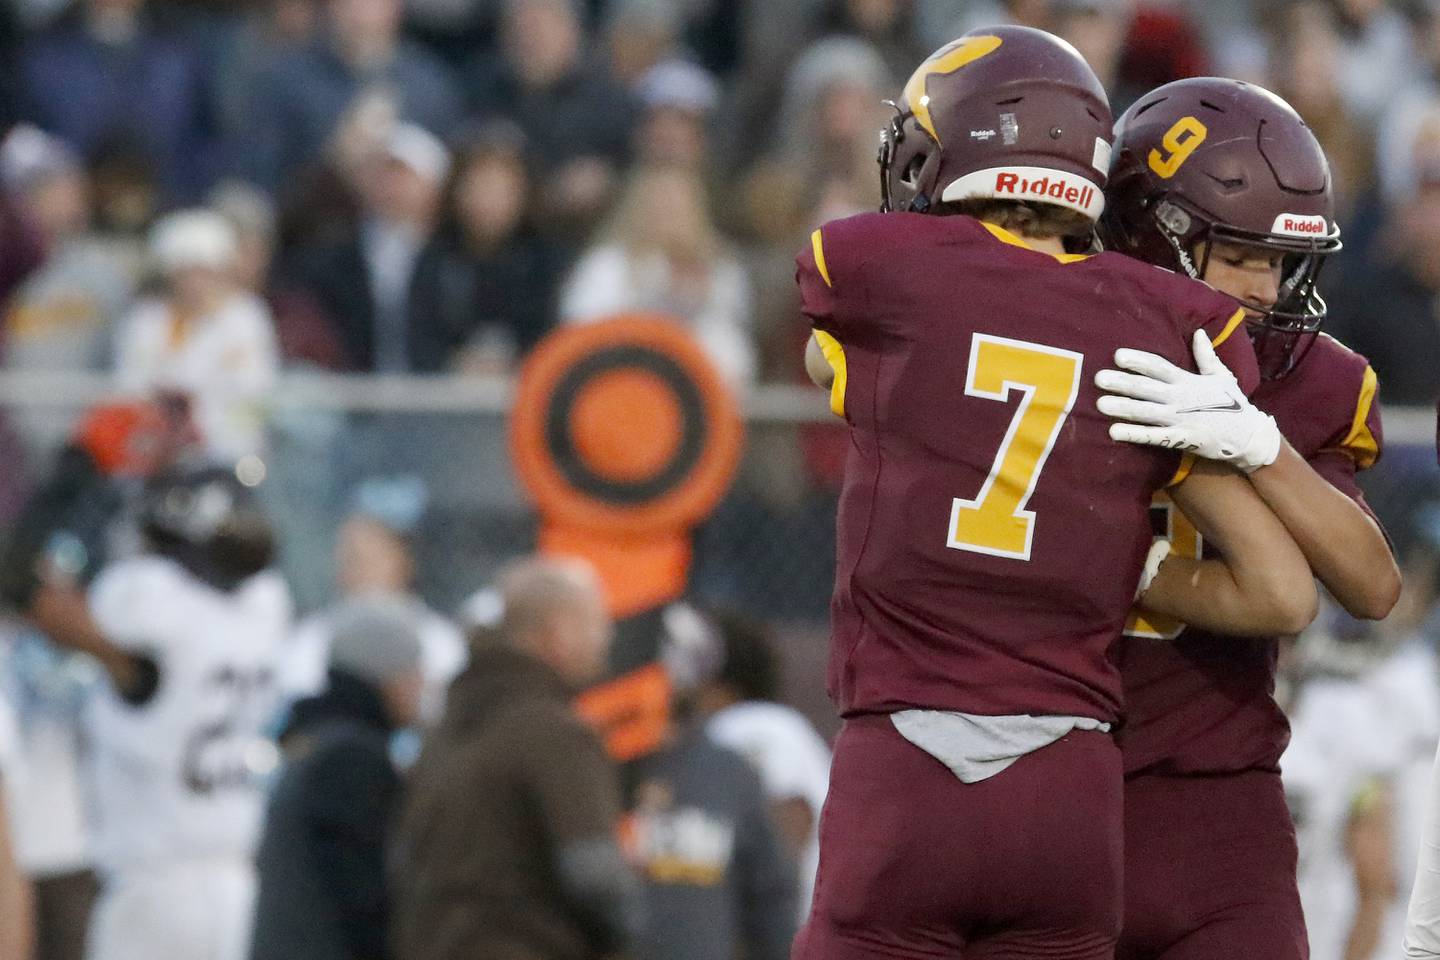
1206, 413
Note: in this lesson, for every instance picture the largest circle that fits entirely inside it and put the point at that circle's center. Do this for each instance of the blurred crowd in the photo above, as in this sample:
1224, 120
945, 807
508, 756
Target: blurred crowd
204, 192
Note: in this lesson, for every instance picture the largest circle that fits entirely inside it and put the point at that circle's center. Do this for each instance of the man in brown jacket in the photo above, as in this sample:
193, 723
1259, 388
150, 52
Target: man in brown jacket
507, 847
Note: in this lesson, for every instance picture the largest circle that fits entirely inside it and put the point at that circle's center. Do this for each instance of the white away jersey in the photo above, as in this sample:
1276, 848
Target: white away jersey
9, 740
1339, 748
1407, 686
180, 777
792, 760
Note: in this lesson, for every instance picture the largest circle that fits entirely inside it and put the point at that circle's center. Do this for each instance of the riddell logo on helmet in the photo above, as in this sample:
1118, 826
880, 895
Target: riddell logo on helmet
1048, 187
1043, 184
1298, 225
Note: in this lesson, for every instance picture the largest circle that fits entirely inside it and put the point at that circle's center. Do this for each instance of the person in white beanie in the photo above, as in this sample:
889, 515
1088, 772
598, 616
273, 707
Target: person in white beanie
678, 100
364, 280
202, 335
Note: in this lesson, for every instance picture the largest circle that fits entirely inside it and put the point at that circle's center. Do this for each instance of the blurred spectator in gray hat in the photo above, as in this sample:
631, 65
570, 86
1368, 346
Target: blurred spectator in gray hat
375, 558
677, 102
507, 845
63, 317
323, 891
825, 130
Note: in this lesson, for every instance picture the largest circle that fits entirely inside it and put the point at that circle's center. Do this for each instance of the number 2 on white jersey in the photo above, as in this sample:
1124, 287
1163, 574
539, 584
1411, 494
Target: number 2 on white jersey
996, 521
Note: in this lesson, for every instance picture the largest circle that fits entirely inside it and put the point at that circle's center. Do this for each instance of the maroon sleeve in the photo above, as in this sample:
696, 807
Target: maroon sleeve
818, 300
1195, 305
1362, 439
1233, 347
1358, 445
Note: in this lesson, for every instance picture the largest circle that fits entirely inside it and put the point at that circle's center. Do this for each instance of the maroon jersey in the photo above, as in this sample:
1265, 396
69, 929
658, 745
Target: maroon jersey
1198, 703
990, 532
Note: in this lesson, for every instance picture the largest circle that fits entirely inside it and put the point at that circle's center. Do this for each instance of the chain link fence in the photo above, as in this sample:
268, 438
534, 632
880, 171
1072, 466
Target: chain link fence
768, 549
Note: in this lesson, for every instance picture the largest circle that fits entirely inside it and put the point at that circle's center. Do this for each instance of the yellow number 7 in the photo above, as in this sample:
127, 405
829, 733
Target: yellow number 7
996, 521
1180, 141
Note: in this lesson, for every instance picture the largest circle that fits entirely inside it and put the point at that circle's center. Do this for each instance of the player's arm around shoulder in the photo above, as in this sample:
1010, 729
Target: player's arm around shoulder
1319, 500
1262, 587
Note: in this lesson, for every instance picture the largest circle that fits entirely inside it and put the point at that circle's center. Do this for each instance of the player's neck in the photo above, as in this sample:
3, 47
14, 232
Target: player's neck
1055, 246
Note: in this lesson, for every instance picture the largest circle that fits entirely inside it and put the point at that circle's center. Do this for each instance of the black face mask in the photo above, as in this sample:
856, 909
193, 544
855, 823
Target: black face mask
1283, 332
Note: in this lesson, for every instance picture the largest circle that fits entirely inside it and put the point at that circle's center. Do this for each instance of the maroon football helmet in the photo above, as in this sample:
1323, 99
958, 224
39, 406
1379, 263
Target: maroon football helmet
1211, 159
1006, 112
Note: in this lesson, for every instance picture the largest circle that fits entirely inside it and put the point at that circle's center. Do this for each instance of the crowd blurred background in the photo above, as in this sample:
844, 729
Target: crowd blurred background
295, 210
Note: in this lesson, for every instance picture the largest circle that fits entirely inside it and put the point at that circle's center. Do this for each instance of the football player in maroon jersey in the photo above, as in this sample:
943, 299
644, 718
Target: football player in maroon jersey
991, 534
1223, 181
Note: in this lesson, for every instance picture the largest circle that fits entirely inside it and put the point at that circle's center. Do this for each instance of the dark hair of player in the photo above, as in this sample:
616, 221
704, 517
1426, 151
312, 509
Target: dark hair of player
1038, 221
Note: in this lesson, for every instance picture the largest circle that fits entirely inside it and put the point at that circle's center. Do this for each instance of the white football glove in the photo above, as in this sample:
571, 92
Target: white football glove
1205, 413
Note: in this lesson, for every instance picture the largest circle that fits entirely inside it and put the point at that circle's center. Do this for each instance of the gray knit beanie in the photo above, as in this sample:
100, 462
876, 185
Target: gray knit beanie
375, 638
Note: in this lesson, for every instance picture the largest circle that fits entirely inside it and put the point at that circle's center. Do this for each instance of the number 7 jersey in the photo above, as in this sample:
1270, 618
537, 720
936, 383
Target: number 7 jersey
990, 533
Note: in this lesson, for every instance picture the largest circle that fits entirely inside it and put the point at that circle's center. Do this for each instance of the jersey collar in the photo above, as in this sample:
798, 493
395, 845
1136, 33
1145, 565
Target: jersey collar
1005, 236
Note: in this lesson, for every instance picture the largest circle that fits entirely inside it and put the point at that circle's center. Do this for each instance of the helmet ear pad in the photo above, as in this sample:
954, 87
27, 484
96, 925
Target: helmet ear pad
1135, 222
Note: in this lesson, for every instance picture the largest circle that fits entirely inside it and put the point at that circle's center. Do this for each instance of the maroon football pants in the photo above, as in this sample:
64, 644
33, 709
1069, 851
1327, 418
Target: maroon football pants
916, 864
1210, 870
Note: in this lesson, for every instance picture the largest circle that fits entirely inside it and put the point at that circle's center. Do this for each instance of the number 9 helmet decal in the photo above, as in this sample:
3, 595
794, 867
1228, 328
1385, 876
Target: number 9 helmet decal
1208, 159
